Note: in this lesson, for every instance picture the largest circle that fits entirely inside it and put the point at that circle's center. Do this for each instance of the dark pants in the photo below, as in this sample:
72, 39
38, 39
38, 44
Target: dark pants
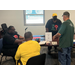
10, 52
64, 57
50, 47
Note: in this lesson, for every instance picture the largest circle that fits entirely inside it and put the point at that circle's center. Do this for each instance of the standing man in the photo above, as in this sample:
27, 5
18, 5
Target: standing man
66, 34
53, 26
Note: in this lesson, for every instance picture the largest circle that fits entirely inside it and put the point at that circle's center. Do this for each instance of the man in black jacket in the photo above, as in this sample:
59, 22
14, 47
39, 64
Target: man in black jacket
53, 25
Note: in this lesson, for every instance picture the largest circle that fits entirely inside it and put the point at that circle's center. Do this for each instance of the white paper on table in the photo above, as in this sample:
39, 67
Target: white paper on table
73, 40
54, 43
48, 36
42, 42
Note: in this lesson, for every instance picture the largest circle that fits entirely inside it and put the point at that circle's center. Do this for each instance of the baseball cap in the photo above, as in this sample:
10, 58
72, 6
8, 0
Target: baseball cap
54, 14
66, 13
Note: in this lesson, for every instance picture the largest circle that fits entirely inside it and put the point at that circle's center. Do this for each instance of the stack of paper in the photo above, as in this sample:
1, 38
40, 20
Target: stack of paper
54, 43
42, 42
47, 41
73, 40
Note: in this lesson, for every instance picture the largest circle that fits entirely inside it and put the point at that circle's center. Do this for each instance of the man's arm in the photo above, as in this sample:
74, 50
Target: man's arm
18, 41
56, 36
47, 26
19, 36
22, 38
47, 30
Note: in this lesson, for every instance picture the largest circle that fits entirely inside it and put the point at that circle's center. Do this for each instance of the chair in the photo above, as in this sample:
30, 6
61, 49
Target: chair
4, 27
3, 52
0, 33
37, 60
7, 52
1, 45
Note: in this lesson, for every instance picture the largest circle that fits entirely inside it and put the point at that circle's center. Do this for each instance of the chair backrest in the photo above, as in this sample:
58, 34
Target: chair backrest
1, 44
4, 27
37, 60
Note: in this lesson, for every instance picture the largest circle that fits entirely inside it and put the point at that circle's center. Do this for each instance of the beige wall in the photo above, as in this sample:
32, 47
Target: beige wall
16, 18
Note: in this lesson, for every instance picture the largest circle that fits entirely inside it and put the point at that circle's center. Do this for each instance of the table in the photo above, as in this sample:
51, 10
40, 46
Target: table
42, 38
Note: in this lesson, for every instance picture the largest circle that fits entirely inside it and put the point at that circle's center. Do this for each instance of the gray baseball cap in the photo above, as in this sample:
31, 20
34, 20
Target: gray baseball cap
66, 13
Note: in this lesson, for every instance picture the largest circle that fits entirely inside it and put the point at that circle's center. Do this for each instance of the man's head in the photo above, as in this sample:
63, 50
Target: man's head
66, 16
28, 36
11, 29
54, 15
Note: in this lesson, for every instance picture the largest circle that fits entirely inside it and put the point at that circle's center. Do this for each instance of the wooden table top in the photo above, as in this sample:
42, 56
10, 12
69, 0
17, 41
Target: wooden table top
56, 40
50, 44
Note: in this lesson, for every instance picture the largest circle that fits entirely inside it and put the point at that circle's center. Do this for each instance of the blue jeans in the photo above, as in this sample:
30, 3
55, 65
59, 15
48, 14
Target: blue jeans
64, 57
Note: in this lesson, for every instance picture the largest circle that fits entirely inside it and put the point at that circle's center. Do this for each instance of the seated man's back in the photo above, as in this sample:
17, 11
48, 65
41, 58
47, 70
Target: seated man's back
27, 49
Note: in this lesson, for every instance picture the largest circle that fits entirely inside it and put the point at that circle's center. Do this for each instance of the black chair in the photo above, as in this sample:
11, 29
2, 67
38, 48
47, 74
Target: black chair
4, 27
5, 52
1, 45
37, 60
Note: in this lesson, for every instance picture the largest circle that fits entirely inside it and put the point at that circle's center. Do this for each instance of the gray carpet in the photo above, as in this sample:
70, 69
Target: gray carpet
50, 59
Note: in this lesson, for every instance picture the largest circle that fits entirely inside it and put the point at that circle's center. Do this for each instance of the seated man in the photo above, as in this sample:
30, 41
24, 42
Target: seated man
27, 49
11, 41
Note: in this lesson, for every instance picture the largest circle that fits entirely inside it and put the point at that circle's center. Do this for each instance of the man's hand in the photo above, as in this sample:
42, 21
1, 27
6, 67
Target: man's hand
18, 41
47, 30
54, 37
20, 37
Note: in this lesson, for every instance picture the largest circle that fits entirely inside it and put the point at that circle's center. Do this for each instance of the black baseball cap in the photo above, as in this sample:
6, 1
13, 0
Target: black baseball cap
66, 13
